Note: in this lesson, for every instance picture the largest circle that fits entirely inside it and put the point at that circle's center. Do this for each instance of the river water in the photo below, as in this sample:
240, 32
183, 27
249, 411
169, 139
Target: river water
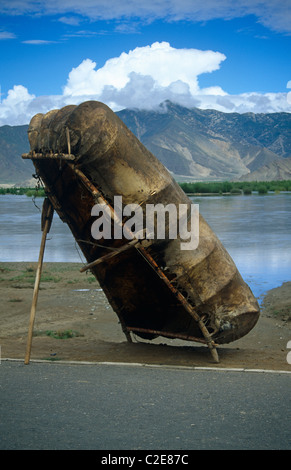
255, 229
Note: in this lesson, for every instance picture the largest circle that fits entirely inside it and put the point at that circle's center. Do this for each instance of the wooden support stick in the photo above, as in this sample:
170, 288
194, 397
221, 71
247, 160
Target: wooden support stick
48, 214
210, 343
109, 255
46, 156
68, 140
166, 334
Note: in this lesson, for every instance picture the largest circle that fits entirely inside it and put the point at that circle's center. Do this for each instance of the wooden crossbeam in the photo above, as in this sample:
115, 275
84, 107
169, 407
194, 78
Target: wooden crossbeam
48, 155
104, 258
166, 334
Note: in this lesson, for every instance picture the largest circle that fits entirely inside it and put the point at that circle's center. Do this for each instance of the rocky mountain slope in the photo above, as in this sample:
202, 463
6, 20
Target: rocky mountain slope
274, 171
194, 144
208, 144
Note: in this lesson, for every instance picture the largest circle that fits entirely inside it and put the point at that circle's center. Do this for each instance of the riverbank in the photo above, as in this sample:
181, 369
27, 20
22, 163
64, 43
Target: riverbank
74, 321
191, 188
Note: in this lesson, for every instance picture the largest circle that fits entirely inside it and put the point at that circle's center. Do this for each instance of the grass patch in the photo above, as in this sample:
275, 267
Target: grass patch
30, 269
62, 334
283, 313
48, 278
29, 277
23, 277
4, 269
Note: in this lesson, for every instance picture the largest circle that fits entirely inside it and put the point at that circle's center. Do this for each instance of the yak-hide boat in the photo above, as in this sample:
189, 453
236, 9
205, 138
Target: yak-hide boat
85, 155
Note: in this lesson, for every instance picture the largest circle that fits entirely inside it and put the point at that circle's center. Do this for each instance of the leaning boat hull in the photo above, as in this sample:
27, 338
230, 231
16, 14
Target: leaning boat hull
109, 161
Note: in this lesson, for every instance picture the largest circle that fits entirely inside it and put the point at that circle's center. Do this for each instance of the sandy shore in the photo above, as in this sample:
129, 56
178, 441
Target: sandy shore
72, 304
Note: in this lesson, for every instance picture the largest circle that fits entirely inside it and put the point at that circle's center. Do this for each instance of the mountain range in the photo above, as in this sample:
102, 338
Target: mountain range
194, 144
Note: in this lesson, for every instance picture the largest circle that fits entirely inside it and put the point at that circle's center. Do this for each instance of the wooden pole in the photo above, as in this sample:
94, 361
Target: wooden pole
47, 216
45, 156
166, 334
109, 255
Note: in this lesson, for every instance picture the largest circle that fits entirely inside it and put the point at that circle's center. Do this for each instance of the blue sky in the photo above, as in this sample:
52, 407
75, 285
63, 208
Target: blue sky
231, 56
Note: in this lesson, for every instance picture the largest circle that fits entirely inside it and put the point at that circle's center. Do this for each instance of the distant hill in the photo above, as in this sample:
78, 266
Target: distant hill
274, 171
194, 144
210, 145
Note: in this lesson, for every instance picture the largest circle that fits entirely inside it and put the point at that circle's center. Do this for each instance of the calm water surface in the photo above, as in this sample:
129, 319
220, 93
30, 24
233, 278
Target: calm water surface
256, 231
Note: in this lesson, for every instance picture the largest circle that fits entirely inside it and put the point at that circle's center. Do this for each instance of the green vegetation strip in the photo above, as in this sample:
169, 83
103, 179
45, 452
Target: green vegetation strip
238, 187
219, 187
30, 192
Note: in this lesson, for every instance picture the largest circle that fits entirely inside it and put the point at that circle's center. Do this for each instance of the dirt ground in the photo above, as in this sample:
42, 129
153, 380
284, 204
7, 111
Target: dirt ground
72, 304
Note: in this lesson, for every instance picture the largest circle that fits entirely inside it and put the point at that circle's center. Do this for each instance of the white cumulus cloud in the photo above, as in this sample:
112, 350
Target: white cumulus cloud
14, 107
160, 61
143, 78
